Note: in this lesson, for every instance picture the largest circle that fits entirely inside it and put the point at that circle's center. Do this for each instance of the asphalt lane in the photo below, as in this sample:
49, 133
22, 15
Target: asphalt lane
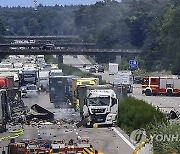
106, 142
78, 61
102, 139
165, 103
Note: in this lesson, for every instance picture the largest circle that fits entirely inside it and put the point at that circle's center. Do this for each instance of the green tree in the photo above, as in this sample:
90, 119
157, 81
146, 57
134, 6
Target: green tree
170, 36
2, 30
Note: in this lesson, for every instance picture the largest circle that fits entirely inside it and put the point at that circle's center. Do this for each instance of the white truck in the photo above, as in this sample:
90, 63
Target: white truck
98, 104
124, 78
113, 68
44, 80
56, 72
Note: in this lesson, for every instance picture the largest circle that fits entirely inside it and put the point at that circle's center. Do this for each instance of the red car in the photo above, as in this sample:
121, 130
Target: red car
101, 69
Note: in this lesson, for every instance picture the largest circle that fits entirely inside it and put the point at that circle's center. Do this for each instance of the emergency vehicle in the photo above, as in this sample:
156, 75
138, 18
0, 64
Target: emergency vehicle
82, 146
169, 85
79, 82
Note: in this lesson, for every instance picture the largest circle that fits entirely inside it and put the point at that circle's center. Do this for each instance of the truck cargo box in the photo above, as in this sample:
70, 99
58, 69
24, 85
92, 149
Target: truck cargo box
7, 82
4, 113
60, 90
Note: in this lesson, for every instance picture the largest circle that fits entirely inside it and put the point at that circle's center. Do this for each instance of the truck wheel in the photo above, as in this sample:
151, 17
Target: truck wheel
169, 93
148, 92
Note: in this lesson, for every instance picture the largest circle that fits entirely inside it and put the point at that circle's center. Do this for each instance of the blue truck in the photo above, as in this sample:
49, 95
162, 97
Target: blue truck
28, 77
60, 91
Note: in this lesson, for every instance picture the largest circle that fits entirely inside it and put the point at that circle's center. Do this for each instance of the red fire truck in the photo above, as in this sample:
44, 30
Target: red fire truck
169, 85
82, 146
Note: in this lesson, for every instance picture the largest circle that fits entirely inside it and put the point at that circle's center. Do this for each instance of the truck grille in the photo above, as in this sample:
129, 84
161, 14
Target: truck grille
99, 118
98, 110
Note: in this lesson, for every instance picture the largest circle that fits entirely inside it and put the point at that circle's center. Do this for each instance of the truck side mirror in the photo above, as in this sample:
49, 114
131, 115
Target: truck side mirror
114, 101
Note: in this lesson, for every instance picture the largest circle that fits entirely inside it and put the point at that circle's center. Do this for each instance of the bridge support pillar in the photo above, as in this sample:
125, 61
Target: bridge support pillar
118, 59
60, 58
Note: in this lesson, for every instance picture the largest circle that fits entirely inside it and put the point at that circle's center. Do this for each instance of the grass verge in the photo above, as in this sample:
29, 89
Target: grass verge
135, 114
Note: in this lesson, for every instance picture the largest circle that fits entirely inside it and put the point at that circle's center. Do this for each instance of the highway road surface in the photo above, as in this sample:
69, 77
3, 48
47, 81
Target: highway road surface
75, 61
80, 60
102, 139
107, 140
165, 103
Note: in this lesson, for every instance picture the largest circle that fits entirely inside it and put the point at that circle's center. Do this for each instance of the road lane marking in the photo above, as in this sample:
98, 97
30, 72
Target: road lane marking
81, 60
124, 139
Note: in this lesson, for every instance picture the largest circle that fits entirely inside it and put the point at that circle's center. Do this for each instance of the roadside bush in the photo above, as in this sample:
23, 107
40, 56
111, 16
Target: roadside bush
134, 114
166, 138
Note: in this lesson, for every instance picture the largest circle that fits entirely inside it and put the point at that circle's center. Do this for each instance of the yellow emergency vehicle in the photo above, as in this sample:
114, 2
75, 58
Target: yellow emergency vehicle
79, 82
54, 66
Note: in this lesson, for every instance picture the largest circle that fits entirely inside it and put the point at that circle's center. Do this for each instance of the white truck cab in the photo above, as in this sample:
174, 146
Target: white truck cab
100, 103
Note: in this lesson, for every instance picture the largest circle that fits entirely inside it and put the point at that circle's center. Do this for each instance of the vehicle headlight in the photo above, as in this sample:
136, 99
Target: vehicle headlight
109, 118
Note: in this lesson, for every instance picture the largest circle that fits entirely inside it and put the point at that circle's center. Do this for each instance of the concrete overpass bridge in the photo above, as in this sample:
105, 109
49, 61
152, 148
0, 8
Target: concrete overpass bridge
38, 45
72, 45
42, 39
54, 37
70, 51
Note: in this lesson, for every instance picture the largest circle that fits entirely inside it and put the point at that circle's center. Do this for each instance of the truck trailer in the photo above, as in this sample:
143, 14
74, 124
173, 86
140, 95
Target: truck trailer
99, 104
124, 78
113, 68
4, 110
60, 91
44, 80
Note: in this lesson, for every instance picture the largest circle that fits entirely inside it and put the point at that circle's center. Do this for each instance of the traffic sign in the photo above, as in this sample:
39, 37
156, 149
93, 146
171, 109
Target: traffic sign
133, 64
122, 77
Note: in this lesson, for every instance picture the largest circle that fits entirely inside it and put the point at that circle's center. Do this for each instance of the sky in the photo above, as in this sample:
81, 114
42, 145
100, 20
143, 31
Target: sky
28, 3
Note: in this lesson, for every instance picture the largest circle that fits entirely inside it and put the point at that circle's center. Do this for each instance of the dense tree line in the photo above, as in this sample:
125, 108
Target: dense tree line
46, 20
150, 25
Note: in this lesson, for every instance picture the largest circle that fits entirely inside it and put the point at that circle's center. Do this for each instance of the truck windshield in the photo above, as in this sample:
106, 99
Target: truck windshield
29, 79
98, 101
